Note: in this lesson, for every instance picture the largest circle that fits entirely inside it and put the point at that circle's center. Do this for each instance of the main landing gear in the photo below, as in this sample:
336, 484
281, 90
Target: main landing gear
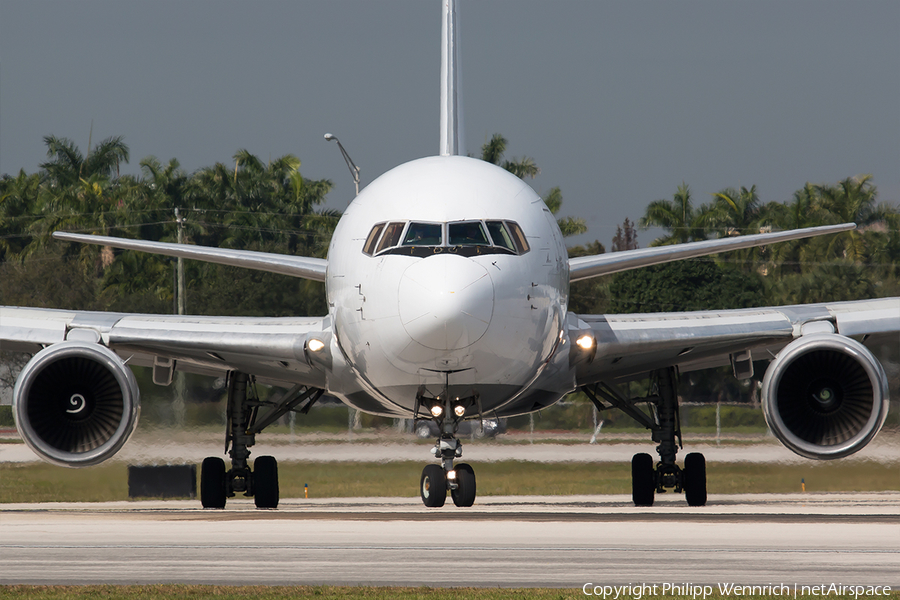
664, 423
437, 479
244, 421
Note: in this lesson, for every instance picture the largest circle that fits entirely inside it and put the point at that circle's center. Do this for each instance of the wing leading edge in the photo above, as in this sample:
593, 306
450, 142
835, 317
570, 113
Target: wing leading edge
295, 266
585, 267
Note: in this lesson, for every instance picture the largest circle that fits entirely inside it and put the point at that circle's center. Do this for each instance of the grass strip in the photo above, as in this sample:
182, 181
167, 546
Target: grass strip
39, 482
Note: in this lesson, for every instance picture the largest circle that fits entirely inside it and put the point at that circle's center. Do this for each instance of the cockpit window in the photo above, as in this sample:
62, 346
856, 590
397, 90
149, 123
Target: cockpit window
423, 234
369, 247
518, 237
391, 236
465, 238
470, 233
500, 235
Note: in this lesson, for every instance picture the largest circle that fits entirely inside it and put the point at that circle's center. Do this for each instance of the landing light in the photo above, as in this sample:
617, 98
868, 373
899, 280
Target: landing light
459, 409
315, 344
437, 410
585, 342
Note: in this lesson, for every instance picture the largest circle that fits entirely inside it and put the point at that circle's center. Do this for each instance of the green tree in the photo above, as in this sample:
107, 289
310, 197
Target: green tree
853, 200
525, 167
66, 164
18, 209
625, 238
683, 286
677, 216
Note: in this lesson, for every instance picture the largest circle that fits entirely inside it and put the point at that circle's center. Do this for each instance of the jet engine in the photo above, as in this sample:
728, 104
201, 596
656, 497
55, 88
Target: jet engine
825, 396
76, 404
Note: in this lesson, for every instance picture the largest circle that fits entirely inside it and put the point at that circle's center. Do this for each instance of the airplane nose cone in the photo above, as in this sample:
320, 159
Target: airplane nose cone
446, 301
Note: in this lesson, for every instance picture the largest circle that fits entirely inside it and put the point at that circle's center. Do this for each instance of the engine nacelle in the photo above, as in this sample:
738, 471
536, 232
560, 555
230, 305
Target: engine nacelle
76, 404
825, 396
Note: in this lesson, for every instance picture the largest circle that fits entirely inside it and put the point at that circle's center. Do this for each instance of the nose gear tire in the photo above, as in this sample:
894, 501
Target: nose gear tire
433, 486
464, 494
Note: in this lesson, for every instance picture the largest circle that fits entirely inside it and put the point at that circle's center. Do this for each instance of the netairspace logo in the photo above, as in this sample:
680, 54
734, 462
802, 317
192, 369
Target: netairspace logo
638, 591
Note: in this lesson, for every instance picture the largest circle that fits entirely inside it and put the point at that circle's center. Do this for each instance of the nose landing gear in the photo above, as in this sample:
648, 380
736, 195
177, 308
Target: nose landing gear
436, 480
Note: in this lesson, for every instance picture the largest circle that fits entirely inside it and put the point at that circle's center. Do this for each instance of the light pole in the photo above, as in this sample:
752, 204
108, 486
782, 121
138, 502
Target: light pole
178, 405
353, 419
354, 170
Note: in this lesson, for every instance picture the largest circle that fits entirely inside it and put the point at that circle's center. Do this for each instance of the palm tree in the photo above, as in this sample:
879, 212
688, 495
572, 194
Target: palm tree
853, 200
802, 211
677, 216
734, 212
67, 165
523, 168
18, 203
567, 225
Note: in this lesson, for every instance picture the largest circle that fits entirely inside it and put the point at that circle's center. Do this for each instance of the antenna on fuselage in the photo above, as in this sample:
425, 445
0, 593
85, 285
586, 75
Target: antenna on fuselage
451, 104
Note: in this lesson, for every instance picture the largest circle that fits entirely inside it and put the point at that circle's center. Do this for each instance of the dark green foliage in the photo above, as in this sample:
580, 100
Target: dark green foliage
685, 285
253, 205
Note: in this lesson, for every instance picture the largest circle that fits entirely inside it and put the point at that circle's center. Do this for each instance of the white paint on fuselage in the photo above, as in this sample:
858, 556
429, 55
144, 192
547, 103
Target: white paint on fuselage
402, 321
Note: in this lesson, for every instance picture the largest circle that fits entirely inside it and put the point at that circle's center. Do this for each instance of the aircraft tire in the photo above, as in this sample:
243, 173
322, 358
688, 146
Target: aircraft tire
643, 480
433, 486
265, 482
212, 483
695, 479
464, 494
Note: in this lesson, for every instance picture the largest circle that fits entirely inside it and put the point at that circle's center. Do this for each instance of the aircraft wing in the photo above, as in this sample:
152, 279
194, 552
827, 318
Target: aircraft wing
629, 346
585, 267
296, 266
273, 349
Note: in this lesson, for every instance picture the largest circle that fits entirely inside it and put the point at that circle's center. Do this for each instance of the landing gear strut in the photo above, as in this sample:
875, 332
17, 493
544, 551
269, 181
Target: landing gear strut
244, 422
664, 423
437, 479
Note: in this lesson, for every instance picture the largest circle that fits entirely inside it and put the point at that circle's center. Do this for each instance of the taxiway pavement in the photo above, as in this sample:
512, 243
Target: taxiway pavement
510, 541
158, 450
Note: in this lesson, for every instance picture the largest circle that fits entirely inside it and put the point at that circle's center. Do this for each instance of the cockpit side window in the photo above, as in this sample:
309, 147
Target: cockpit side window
469, 233
424, 234
391, 236
518, 237
369, 247
500, 235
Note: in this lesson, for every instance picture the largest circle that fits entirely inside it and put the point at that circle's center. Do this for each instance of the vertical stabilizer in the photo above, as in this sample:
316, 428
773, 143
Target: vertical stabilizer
451, 106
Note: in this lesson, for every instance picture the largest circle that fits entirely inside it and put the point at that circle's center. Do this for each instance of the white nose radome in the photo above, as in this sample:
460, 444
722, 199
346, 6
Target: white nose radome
446, 301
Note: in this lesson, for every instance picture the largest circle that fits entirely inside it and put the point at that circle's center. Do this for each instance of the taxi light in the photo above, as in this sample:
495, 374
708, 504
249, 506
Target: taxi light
451, 475
437, 410
459, 409
585, 342
315, 345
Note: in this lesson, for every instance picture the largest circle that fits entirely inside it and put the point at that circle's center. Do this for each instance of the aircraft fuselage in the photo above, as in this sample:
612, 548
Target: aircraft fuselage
448, 275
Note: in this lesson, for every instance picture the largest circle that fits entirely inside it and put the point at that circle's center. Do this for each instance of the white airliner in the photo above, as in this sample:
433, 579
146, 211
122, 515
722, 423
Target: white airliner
447, 282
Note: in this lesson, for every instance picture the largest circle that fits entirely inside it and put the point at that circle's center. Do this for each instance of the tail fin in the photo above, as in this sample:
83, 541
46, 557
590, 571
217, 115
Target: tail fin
451, 105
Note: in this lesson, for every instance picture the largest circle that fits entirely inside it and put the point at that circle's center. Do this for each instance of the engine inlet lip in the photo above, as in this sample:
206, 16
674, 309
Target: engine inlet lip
124, 378
833, 342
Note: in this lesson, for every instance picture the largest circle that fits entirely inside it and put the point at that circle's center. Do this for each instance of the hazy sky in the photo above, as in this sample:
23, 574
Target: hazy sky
618, 102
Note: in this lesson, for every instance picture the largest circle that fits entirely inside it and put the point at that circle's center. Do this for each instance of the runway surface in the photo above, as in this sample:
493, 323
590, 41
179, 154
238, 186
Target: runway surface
509, 541
159, 450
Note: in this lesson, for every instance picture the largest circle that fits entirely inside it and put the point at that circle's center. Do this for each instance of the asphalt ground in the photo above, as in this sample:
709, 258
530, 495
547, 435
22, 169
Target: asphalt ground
514, 541
162, 449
